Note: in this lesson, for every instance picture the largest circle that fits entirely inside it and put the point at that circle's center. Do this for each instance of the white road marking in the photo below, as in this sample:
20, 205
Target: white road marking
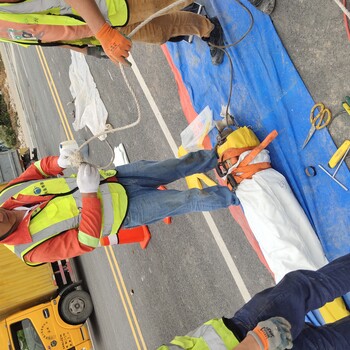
209, 219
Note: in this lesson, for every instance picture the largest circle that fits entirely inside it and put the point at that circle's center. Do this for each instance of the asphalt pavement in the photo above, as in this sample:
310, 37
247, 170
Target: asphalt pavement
314, 35
182, 278
199, 265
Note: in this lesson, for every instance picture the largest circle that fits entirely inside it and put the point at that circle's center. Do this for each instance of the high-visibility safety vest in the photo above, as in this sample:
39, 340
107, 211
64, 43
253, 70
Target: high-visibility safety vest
62, 212
23, 19
212, 335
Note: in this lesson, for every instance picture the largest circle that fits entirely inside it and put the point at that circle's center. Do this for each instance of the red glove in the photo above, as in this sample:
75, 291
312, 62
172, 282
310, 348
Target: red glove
115, 45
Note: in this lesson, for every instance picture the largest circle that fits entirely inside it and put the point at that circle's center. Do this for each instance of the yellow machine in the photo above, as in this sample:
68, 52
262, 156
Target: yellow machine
40, 308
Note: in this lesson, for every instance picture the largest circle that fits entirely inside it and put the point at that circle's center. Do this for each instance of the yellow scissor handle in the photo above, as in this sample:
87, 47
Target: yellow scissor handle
318, 120
338, 155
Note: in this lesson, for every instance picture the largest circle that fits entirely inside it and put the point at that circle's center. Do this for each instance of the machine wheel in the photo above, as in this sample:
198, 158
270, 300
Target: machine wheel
76, 307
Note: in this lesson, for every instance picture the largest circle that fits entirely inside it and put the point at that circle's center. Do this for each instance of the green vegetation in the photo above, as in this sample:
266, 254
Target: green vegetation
8, 117
7, 133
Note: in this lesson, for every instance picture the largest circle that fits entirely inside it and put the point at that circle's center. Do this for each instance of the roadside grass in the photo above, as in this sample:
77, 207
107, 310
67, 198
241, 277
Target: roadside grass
8, 115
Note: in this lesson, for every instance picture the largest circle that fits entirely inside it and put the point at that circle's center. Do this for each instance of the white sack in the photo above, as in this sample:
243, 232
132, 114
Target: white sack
90, 111
278, 222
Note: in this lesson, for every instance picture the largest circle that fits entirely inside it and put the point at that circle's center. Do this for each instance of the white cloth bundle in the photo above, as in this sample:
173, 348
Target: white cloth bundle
278, 222
90, 111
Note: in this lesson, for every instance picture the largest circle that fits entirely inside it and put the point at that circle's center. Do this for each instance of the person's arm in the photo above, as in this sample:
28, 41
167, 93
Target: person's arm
89, 10
115, 45
73, 242
44, 168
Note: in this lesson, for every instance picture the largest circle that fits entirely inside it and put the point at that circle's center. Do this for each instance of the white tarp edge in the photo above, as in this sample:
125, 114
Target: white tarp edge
278, 222
90, 111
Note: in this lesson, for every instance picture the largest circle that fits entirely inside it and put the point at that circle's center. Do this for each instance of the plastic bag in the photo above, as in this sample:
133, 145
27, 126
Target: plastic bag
192, 137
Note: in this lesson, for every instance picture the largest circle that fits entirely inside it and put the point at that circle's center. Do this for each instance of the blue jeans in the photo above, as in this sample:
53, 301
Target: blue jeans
298, 293
147, 204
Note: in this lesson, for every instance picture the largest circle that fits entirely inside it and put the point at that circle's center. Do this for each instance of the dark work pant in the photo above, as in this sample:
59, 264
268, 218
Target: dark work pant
298, 293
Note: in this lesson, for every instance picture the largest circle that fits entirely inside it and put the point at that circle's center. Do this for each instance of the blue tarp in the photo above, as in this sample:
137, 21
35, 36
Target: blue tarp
269, 94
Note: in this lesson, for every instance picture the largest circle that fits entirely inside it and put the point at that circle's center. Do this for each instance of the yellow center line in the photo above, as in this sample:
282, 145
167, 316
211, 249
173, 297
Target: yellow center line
128, 298
110, 254
54, 93
118, 278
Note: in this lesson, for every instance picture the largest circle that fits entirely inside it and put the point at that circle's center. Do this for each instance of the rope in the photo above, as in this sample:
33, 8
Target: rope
121, 128
157, 14
77, 159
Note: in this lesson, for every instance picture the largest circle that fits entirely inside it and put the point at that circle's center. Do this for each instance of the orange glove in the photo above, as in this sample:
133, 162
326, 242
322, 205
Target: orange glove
115, 45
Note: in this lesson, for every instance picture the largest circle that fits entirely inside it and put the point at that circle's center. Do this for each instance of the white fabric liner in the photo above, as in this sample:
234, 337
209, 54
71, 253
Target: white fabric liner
278, 222
90, 111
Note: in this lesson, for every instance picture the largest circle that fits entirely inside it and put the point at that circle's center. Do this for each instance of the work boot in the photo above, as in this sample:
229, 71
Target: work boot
216, 38
266, 6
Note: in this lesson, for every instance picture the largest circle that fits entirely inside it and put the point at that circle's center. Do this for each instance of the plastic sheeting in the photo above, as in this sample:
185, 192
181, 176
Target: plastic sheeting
268, 94
278, 222
90, 111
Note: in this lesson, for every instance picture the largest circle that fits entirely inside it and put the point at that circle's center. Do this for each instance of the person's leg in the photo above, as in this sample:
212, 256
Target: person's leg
149, 205
174, 24
155, 174
331, 336
298, 293
140, 10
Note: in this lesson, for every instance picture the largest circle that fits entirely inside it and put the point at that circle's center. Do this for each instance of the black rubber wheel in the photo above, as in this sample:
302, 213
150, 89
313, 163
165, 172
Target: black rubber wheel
76, 307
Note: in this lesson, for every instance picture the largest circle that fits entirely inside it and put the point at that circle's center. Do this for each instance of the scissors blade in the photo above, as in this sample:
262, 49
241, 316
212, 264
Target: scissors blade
309, 135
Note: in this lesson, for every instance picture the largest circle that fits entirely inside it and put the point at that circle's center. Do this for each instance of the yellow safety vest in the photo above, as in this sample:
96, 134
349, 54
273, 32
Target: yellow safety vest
63, 211
59, 13
212, 335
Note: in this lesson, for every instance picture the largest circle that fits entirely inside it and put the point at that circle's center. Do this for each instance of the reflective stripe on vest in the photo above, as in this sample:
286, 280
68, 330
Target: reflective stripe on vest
38, 187
213, 335
51, 220
48, 232
58, 12
37, 164
53, 13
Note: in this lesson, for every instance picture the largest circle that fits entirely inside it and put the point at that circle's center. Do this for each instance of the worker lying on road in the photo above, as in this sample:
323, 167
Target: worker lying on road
44, 218
33, 22
274, 318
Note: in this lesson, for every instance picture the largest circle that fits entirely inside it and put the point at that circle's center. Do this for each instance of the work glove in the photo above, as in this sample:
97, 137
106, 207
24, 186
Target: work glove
115, 44
273, 334
96, 51
65, 156
88, 178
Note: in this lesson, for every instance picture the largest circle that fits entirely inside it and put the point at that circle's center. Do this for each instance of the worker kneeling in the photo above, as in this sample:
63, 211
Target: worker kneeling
275, 318
44, 218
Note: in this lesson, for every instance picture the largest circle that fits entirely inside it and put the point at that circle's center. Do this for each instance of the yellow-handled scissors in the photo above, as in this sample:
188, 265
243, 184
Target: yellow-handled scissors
318, 121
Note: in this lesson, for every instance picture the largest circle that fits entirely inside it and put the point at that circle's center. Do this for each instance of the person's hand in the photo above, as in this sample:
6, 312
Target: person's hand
88, 178
273, 334
65, 156
115, 44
